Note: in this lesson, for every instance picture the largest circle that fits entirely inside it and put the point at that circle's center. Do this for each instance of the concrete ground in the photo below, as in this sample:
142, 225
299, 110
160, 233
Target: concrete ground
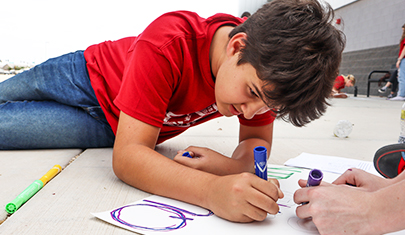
87, 183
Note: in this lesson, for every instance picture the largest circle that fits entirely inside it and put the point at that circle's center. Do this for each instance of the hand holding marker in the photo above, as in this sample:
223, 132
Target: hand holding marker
314, 179
187, 154
32, 190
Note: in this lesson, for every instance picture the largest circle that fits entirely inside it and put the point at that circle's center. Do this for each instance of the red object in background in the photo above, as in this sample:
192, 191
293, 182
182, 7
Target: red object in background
338, 21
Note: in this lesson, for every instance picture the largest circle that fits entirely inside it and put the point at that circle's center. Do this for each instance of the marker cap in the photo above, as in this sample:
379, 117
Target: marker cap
50, 174
314, 178
187, 154
260, 155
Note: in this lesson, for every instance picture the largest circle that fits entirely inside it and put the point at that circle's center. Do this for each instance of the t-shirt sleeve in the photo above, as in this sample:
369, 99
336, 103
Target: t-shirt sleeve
147, 84
258, 120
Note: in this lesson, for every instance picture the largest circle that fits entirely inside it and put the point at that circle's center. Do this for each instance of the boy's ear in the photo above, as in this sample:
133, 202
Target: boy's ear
236, 43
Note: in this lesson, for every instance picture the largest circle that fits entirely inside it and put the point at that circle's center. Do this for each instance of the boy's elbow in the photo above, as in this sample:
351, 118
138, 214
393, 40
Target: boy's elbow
117, 164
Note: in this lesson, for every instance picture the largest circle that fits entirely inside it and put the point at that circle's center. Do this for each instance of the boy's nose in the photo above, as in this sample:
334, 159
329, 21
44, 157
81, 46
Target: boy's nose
252, 109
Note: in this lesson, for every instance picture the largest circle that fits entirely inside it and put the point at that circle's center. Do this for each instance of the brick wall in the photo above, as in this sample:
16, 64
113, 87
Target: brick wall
361, 63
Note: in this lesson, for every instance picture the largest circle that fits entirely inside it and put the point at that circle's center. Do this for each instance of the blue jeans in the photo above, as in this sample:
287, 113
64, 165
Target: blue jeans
52, 105
401, 79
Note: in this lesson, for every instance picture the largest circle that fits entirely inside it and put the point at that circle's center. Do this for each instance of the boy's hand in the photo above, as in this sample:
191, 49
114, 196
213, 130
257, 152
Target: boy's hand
243, 197
208, 160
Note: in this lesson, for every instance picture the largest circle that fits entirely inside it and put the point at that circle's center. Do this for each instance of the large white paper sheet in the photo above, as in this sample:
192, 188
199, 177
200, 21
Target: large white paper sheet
332, 164
159, 215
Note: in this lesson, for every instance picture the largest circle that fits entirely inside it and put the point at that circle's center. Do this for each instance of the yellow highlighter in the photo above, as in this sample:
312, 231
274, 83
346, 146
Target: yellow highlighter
50, 174
32, 190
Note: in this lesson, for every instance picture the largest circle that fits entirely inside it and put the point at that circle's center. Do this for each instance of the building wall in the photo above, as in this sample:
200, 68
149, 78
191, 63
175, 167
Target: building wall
372, 23
373, 30
250, 5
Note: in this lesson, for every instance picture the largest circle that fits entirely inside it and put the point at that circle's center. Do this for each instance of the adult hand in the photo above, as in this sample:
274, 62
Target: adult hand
362, 180
336, 209
210, 161
243, 197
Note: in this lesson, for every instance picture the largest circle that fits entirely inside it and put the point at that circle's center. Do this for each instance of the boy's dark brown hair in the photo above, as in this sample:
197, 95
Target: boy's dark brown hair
296, 51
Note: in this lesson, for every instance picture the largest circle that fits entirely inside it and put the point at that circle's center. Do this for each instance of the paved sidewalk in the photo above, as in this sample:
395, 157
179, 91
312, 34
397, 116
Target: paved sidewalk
87, 183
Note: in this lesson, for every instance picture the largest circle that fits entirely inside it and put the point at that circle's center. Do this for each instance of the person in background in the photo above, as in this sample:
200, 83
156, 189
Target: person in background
401, 68
245, 14
392, 82
341, 82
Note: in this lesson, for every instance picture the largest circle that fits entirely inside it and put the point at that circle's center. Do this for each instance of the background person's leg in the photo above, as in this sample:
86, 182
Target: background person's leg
401, 79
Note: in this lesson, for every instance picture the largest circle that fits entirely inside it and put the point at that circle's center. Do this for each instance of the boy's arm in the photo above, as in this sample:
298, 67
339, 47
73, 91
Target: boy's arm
242, 198
249, 138
136, 163
242, 159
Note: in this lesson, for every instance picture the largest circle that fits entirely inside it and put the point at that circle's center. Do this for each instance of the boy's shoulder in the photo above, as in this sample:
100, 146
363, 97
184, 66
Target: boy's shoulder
166, 29
189, 22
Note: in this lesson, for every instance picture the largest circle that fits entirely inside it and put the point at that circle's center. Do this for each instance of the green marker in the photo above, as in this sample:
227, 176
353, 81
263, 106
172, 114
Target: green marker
32, 190
24, 196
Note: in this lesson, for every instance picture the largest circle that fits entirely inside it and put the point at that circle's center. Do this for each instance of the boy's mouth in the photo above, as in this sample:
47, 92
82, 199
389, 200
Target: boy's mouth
234, 111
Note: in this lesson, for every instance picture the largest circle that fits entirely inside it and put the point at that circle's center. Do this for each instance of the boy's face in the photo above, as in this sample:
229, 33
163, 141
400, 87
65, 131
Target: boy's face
349, 83
238, 90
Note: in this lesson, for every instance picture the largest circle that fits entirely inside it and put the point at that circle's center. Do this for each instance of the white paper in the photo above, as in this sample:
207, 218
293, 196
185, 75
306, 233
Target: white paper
330, 164
160, 215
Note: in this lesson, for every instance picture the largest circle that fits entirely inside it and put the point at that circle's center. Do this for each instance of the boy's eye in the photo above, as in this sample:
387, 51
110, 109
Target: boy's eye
253, 93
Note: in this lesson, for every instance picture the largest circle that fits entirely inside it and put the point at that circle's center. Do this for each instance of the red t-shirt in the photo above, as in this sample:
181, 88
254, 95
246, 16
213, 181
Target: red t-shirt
402, 45
339, 83
163, 76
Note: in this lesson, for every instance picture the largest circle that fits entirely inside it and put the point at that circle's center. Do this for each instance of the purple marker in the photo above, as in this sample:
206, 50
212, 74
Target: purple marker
260, 155
314, 179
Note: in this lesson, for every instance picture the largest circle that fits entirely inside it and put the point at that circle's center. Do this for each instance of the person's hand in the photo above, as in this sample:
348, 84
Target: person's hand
398, 63
208, 160
362, 180
336, 209
243, 197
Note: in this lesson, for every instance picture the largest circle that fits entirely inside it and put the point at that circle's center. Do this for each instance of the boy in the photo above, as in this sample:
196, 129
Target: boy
181, 71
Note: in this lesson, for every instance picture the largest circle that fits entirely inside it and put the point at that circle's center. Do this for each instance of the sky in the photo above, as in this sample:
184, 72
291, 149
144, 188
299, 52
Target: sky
33, 31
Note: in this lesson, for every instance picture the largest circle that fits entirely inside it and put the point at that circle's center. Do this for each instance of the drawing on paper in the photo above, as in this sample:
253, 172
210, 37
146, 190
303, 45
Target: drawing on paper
164, 217
303, 225
281, 172
287, 201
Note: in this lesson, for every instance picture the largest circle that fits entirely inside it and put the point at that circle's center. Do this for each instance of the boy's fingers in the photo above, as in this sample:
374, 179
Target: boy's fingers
276, 183
268, 192
261, 204
256, 214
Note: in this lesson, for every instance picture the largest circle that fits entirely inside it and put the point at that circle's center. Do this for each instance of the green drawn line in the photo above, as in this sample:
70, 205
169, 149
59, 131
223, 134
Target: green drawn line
281, 172
285, 169
279, 177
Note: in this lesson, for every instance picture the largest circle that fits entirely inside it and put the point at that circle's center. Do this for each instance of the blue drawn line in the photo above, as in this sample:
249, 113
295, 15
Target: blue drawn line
175, 213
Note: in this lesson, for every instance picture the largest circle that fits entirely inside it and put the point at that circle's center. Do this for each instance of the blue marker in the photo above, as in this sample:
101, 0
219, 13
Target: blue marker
187, 154
260, 155
314, 179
